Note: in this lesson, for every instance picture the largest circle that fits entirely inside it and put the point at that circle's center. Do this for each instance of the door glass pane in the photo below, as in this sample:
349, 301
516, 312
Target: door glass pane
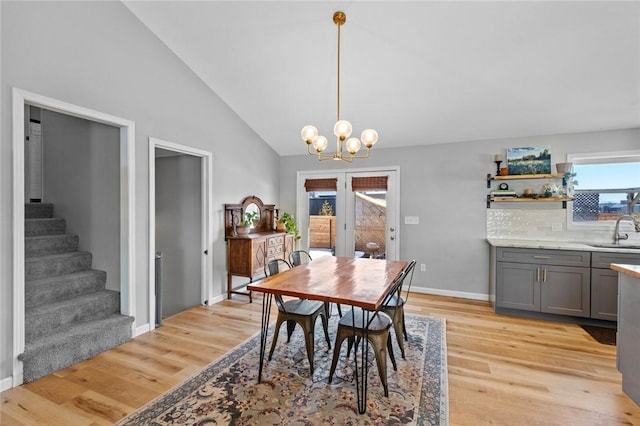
370, 223
322, 223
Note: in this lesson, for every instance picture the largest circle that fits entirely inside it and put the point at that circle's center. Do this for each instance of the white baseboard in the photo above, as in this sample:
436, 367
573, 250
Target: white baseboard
6, 383
144, 328
216, 299
460, 294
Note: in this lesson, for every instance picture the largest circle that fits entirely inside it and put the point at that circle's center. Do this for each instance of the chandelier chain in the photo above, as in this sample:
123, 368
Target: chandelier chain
339, 25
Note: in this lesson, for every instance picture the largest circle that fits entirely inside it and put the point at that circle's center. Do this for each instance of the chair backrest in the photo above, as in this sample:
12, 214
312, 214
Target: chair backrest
274, 267
299, 257
397, 284
408, 273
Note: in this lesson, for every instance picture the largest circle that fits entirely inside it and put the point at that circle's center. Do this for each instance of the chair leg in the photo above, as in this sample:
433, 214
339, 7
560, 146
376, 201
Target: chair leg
309, 341
350, 344
336, 353
291, 325
398, 327
404, 327
325, 326
391, 355
381, 360
276, 332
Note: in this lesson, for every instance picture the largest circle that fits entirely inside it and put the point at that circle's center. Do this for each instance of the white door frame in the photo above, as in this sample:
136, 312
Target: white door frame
206, 268
302, 202
20, 98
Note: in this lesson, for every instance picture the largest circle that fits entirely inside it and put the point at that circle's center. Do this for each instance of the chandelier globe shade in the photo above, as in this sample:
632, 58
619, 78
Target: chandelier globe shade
346, 148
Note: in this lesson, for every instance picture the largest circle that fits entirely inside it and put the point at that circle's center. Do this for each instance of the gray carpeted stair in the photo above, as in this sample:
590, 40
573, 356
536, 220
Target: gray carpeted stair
58, 287
69, 315
56, 264
44, 226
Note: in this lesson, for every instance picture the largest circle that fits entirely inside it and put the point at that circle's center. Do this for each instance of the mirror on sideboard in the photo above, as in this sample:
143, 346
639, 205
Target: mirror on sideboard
263, 223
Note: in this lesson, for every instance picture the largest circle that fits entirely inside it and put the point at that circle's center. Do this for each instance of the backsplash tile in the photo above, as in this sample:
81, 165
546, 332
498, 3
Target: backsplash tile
536, 225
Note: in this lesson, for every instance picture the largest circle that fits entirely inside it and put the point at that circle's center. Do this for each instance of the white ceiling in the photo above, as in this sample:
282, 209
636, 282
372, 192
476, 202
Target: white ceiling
419, 72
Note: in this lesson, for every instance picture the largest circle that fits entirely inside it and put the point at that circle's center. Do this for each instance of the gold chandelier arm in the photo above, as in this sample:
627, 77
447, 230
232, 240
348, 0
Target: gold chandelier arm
366, 155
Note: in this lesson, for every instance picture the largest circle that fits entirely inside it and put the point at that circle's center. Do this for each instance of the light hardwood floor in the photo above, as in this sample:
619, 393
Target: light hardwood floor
502, 370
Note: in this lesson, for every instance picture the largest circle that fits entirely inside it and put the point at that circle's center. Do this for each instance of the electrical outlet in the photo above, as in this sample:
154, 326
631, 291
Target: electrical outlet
423, 267
411, 220
556, 226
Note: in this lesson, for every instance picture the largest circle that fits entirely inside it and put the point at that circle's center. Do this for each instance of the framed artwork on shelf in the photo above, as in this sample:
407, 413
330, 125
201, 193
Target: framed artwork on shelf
529, 160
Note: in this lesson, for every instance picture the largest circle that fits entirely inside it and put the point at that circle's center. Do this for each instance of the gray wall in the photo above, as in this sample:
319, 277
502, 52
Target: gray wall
445, 185
81, 174
99, 56
178, 230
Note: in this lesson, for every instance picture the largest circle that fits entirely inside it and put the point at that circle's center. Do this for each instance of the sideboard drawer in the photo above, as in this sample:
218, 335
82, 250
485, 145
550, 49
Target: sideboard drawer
274, 241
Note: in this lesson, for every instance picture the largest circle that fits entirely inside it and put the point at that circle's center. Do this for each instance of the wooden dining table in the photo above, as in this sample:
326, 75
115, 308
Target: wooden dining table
358, 282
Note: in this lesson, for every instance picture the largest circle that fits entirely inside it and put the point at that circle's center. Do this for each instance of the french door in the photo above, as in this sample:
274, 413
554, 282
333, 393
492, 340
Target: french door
349, 213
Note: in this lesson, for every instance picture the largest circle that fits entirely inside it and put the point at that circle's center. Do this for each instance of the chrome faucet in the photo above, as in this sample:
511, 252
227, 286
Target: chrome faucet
616, 235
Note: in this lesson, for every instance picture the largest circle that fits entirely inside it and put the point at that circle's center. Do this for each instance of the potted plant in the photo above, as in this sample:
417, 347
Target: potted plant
247, 222
287, 223
569, 182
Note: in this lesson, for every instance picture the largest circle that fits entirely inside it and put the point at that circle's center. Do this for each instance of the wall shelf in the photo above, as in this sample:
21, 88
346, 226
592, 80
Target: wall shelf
490, 177
520, 199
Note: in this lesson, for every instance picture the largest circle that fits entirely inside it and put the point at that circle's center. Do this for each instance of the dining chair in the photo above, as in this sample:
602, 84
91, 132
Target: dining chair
395, 306
297, 311
301, 257
378, 325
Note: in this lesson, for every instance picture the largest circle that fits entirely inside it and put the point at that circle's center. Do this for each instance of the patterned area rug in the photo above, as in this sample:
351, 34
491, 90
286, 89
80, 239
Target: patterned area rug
227, 392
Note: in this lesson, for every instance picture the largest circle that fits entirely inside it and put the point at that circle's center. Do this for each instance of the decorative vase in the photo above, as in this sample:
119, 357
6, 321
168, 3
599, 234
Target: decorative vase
564, 167
281, 227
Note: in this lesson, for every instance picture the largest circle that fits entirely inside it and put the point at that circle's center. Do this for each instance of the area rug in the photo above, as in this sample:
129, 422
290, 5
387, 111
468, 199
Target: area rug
604, 335
227, 392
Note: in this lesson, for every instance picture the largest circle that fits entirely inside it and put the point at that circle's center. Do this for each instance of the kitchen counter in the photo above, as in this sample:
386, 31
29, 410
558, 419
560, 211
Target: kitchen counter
559, 245
628, 339
631, 270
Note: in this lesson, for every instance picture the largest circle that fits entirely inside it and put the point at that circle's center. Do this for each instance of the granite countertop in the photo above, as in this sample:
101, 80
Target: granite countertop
559, 245
631, 270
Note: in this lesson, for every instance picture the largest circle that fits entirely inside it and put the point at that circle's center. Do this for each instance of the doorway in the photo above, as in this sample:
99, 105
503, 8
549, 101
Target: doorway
126, 131
179, 220
352, 213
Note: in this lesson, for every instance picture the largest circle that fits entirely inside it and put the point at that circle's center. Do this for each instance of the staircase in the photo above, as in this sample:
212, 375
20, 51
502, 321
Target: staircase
69, 315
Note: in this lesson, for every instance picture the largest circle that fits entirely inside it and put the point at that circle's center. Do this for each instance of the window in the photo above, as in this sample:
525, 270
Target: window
608, 187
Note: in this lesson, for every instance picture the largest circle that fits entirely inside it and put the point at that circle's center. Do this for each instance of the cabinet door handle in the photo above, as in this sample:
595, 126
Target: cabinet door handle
538, 274
544, 276
541, 257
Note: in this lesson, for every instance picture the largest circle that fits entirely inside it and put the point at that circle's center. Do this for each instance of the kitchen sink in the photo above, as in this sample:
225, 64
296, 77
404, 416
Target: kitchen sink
616, 246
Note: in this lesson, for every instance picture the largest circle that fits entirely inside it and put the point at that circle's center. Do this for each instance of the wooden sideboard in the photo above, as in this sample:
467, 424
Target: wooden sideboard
247, 254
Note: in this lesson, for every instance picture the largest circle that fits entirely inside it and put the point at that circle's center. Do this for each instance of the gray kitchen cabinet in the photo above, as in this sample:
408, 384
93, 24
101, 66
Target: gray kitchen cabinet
548, 281
628, 337
604, 283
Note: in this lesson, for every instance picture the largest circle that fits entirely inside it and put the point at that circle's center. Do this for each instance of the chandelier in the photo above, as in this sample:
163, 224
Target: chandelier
346, 148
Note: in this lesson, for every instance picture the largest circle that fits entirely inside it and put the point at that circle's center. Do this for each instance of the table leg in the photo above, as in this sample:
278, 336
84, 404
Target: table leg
361, 378
264, 329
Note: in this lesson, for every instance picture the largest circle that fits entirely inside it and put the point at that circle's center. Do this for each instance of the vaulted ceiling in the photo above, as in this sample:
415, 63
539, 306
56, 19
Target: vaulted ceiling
419, 72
